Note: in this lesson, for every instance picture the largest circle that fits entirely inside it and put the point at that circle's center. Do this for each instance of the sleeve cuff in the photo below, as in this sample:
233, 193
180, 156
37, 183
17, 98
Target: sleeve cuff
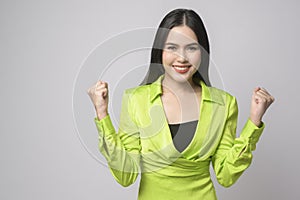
104, 125
252, 132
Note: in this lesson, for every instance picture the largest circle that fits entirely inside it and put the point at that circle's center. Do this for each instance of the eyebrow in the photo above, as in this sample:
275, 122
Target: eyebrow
171, 43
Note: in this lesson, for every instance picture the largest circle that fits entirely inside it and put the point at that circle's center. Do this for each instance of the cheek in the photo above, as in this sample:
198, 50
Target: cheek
167, 57
195, 59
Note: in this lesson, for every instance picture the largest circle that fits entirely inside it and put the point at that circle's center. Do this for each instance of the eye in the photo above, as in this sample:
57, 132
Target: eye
171, 48
192, 48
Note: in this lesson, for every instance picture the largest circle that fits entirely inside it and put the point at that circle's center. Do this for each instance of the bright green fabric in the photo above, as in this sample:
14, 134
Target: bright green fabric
143, 145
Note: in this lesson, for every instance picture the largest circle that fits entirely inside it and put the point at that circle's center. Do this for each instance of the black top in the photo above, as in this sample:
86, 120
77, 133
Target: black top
183, 134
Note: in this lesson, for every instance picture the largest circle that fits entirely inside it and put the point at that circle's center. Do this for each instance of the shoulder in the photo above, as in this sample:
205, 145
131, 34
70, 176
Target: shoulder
142, 89
138, 93
218, 95
221, 92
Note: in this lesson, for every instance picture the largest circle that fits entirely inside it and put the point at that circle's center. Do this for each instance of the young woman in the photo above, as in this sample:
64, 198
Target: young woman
174, 125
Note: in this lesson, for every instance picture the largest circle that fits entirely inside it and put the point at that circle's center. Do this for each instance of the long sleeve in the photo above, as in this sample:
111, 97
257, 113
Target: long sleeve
122, 149
234, 155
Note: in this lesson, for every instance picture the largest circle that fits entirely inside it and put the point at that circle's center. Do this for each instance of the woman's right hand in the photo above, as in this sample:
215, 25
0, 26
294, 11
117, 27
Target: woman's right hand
99, 96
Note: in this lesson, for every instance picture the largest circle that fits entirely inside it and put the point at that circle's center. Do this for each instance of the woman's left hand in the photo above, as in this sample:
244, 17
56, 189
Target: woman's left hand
260, 102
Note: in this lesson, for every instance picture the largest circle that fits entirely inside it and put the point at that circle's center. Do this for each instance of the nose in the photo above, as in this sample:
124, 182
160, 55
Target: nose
181, 56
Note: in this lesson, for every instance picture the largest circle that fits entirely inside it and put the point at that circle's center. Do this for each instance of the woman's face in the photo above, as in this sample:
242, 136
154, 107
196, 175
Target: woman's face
181, 55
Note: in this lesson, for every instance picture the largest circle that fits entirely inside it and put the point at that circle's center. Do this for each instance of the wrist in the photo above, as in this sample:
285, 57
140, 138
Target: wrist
256, 121
101, 113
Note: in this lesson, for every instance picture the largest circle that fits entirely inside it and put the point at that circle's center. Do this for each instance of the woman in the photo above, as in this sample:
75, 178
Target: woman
174, 125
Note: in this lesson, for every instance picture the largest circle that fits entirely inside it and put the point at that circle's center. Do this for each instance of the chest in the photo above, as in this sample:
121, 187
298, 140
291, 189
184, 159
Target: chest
156, 139
181, 108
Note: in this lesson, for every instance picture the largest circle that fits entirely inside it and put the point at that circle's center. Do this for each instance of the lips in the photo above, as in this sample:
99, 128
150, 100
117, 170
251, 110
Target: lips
181, 68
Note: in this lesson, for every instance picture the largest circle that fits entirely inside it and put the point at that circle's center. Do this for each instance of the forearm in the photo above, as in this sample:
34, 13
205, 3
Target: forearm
124, 164
234, 155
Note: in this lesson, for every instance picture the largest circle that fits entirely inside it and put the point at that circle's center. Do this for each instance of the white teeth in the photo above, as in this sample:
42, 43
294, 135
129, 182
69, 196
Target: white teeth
181, 68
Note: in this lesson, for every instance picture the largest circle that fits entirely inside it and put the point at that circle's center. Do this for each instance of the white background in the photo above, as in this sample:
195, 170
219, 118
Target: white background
43, 45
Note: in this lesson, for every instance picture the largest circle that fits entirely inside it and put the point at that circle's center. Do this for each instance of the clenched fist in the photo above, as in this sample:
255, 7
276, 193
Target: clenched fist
260, 102
99, 96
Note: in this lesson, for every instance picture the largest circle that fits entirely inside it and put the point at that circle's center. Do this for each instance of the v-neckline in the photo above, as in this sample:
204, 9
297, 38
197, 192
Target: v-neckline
169, 135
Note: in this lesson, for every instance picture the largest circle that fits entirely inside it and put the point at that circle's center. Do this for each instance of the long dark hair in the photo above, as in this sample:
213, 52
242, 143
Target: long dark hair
179, 17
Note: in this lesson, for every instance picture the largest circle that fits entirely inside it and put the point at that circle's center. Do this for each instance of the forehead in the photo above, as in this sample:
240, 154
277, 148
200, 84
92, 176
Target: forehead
182, 35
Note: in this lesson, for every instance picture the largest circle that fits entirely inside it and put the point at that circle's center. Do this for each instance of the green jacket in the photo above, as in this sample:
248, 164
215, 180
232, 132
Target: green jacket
143, 145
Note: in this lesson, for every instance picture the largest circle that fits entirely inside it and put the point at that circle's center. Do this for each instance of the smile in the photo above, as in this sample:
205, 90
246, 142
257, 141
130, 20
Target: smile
181, 68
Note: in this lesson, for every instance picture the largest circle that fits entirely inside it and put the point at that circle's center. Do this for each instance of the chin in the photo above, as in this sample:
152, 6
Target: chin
180, 73
182, 78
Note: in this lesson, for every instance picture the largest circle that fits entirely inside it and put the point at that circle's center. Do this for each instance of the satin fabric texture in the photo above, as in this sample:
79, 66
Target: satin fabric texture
143, 145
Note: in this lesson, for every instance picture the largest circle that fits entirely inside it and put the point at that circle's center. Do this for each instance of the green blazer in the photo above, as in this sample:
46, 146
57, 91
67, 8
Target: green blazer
143, 145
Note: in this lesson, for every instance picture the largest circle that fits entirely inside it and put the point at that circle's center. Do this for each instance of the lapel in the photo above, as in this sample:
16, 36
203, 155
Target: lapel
208, 93
212, 111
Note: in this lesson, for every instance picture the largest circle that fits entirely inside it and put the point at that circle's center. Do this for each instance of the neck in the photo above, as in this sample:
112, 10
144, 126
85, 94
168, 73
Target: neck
170, 85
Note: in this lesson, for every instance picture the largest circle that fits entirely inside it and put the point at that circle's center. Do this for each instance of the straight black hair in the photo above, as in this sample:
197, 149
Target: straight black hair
179, 17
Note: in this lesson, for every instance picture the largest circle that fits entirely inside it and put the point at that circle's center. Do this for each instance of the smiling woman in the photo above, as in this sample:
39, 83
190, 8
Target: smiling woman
174, 124
195, 32
181, 58
181, 54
